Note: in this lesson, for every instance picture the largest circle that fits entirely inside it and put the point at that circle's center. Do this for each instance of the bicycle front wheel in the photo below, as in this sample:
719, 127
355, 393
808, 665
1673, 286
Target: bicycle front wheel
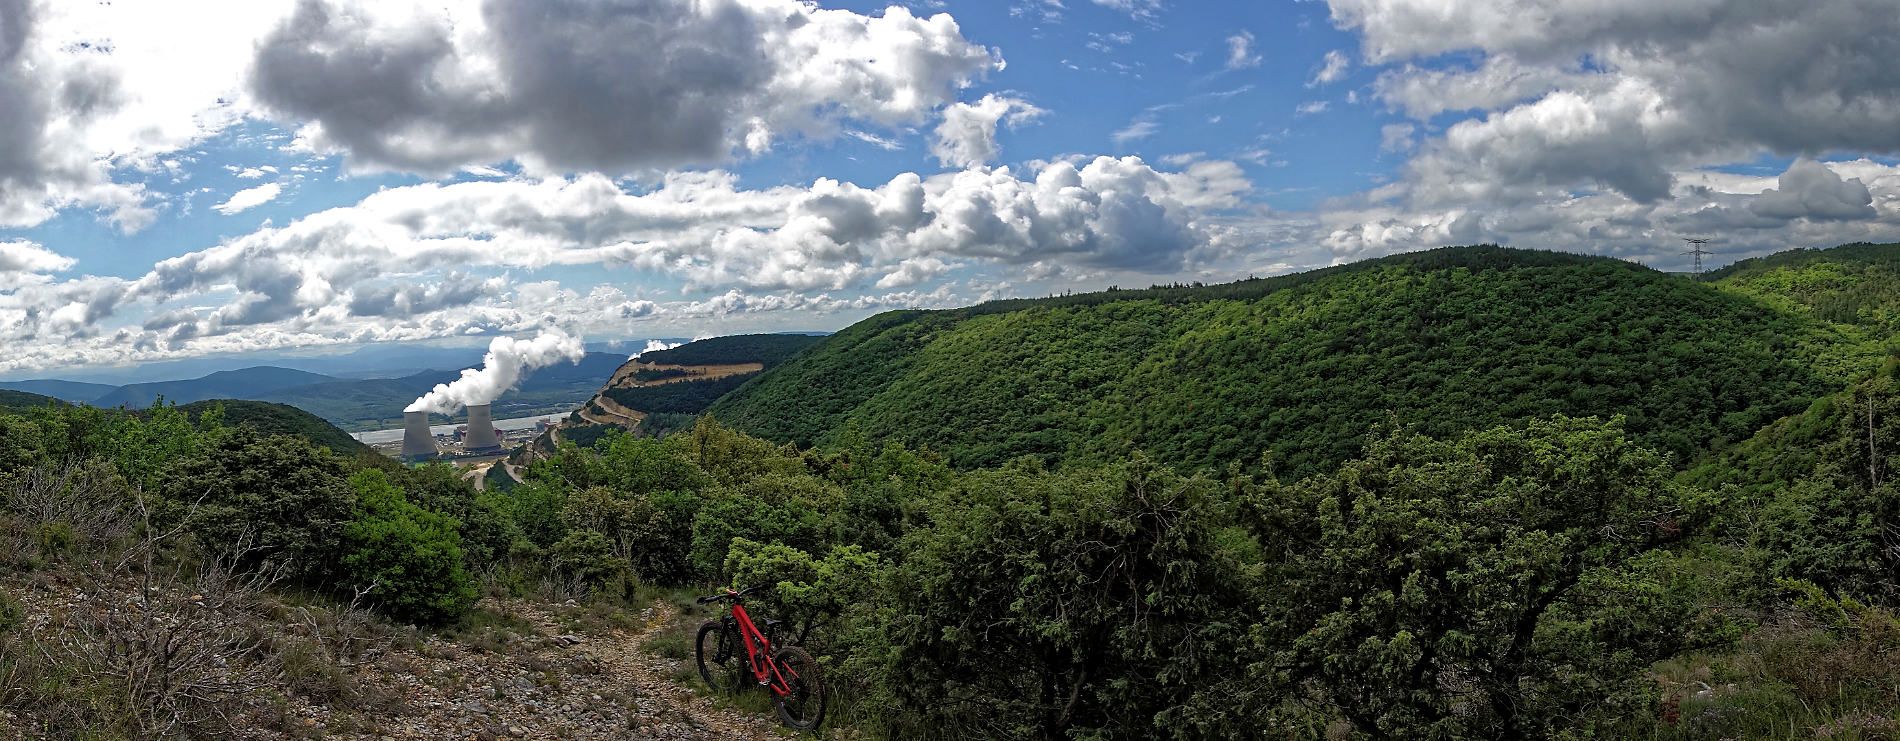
721, 659
802, 707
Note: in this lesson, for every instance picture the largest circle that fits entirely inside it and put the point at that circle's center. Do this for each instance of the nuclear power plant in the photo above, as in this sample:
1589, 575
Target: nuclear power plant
481, 431
507, 361
418, 443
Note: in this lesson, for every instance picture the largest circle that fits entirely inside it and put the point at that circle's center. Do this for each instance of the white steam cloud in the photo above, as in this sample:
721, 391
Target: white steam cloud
655, 346
508, 361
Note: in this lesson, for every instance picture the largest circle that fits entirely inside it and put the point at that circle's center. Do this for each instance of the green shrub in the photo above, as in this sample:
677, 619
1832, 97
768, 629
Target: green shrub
805, 592
10, 614
773, 507
1081, 604
721, 520
535, 508
284, 498
412, 555
57, 539
487, 526
586, 562
1508, 558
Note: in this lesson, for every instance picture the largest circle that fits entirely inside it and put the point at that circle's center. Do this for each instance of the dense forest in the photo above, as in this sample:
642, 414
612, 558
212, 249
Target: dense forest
278, 419
1627, 529
1450, 340
18, 401
767, 349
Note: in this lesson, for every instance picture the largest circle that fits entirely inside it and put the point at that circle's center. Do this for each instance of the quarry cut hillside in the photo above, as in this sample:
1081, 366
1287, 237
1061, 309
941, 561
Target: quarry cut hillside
660, 391
1304, 365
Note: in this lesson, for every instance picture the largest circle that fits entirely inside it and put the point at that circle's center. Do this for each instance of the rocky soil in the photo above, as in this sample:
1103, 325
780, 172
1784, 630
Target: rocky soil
531, 671
547, 684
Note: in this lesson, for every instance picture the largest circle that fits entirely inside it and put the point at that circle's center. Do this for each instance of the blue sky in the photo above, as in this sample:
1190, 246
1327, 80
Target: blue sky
252, 176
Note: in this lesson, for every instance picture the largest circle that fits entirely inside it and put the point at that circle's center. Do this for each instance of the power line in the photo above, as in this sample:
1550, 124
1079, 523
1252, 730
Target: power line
1695, 249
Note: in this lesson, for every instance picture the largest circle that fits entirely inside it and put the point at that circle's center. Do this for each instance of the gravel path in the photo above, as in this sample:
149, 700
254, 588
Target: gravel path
554, 685
544, 677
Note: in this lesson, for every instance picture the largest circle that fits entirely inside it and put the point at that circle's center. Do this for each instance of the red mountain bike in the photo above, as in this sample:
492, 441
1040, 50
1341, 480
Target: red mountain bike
733, 652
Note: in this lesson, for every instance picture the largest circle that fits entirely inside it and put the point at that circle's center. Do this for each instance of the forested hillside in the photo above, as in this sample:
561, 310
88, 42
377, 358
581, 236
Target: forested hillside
1449, 340
766, 349
277, 419
1458, 558
18, 401
1854, 286
1850, 284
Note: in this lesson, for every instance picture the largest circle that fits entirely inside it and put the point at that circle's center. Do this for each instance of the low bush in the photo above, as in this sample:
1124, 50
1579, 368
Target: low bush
411, 556
586, 564
289, 499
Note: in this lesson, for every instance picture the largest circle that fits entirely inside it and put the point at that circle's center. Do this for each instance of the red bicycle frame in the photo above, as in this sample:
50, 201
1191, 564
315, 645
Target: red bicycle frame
758, 651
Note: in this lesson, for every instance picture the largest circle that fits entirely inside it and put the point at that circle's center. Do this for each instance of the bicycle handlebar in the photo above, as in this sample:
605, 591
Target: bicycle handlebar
730, 594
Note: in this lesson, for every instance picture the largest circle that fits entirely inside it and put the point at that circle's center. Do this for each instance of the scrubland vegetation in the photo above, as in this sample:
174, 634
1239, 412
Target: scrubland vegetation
1370, 515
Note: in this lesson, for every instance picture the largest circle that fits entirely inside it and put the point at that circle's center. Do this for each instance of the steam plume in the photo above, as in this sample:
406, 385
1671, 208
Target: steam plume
656, 346
507, 362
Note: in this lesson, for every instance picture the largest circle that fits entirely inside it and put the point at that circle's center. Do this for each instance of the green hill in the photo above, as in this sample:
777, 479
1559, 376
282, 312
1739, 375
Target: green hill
1304, 365
16, 401
667, 399
768, 349
1857, 284
280, 419
1855, 287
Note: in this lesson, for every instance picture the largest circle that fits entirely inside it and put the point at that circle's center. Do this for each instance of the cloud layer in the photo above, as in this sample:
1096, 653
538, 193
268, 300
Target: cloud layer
570, 85
597, 133
424, 260
1615, 127
1622, 93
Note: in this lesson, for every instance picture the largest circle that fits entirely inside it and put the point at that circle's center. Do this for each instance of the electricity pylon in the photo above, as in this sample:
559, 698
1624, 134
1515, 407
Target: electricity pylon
1695, 249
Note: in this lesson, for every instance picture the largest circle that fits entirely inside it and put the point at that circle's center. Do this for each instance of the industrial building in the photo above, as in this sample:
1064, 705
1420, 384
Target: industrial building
418, 443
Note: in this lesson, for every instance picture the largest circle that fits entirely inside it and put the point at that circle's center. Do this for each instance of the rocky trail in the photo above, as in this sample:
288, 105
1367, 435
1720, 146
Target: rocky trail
532, 670
549, 684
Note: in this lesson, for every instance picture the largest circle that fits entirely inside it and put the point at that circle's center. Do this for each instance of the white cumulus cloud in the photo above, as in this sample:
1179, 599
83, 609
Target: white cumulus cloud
571, 85
249, 198
967, 135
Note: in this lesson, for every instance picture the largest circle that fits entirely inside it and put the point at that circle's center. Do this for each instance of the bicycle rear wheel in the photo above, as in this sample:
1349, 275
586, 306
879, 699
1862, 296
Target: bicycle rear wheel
721, 659
803, 707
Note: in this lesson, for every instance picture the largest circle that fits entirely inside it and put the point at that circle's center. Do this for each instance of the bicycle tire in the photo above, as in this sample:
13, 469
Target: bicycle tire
804, 708
718, 653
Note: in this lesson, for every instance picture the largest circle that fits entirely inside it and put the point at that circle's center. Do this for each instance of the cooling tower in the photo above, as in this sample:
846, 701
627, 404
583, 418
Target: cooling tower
418, 444
481, 431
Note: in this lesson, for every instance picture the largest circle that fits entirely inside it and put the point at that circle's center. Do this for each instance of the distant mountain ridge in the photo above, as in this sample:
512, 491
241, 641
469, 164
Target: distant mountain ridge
246, 383
74, 391
346, 402
375, 403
